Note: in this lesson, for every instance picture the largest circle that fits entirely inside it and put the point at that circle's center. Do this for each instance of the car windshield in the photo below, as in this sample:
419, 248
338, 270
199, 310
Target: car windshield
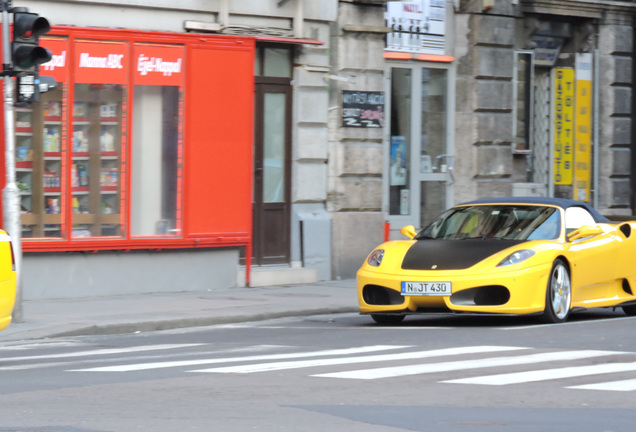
521, 222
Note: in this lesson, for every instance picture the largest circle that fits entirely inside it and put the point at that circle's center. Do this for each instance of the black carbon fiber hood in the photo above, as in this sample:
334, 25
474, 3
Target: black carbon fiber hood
452, 254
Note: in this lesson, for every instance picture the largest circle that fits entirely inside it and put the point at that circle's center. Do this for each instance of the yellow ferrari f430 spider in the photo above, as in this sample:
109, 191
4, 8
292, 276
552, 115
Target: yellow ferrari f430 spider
544, 256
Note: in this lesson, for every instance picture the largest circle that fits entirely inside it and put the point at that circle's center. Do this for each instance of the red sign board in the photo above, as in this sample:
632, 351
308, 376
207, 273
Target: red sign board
59, 64
158, 64
101, 62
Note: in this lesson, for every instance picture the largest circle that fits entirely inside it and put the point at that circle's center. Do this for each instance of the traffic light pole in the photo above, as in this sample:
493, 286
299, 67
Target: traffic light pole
11, 193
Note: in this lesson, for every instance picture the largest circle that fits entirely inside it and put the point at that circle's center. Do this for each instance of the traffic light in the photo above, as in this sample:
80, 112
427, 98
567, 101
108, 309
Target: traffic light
26, 53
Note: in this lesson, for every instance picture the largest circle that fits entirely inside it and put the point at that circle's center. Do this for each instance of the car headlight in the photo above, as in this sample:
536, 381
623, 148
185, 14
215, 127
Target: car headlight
375, 259
516, 257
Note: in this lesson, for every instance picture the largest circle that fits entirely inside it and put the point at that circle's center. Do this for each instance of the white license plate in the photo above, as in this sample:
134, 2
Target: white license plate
426, 288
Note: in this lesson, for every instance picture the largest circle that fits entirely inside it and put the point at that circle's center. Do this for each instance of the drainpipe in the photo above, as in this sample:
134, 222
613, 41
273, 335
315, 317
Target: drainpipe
224, 13
299, 19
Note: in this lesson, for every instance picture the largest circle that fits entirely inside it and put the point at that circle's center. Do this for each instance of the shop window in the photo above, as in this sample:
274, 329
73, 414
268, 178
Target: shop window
40, 134
277, 62
157, 141
400, 145
273, 61
433, 123
97, 141
434, 155
95, 177
155, 156
40, 166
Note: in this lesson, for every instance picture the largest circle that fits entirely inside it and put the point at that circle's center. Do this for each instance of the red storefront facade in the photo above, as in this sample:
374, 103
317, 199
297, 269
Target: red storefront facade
146, 144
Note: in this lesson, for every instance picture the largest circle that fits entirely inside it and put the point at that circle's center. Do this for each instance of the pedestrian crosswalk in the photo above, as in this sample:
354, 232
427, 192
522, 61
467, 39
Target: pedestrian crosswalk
475, 365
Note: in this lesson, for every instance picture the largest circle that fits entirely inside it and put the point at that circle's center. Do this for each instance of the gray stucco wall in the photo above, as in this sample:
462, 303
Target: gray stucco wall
86, 274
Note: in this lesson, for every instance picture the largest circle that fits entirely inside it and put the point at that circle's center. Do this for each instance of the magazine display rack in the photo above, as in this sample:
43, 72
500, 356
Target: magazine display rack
39, 167
86, 185
95, 162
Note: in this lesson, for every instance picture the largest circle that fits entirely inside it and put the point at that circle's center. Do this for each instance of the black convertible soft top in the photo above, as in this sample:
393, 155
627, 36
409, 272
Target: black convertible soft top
559, 202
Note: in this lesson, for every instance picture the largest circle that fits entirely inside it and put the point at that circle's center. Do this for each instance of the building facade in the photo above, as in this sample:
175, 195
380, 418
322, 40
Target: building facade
168, 158
538, 101
238, 143
548, 88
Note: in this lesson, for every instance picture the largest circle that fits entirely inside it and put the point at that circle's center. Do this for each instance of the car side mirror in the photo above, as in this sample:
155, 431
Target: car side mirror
585, 231
408, 231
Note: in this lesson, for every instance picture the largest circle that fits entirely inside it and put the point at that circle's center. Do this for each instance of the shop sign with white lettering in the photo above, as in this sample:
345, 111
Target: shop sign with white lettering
57, 67
362, 109
101, 62
158, 64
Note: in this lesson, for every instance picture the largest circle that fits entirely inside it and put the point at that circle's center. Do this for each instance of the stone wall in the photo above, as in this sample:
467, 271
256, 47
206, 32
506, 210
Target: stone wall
483, 127
615, 116
355, 154
486, 41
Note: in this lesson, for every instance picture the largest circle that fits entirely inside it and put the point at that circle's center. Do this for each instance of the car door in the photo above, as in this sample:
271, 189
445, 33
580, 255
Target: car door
594, 260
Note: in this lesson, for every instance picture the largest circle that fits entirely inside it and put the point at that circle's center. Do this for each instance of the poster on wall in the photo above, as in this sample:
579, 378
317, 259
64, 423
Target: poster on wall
398, 161
563, 125
583, 134
417, 26
362, 109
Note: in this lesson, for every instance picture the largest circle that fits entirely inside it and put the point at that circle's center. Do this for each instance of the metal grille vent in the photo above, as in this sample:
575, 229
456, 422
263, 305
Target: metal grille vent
541, 133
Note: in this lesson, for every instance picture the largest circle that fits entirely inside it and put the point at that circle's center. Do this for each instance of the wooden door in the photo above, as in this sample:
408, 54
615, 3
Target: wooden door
272, 172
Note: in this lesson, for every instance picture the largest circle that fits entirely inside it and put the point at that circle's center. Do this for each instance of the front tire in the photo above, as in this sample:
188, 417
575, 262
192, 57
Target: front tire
387, 319
558, 297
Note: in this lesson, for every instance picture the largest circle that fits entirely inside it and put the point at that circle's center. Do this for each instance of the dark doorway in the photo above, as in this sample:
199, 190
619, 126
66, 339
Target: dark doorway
272, 156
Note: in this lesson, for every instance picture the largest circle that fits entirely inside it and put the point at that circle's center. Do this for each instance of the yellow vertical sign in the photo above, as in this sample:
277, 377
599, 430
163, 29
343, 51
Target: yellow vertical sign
583, 134
563, 118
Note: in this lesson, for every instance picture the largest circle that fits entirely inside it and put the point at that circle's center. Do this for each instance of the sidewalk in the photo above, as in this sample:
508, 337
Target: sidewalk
162, 311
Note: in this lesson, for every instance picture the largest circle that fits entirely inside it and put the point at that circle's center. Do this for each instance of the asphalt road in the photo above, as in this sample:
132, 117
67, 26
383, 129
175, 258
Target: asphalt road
331, 373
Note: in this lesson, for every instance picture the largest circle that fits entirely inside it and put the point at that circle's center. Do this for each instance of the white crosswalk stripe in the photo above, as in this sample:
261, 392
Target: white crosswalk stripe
398, 371
547, 374
263, 367
159, 365
146, 352
625, 385
107, 351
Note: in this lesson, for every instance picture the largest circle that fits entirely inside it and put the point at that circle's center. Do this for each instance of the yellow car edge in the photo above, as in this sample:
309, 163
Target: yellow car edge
7, 280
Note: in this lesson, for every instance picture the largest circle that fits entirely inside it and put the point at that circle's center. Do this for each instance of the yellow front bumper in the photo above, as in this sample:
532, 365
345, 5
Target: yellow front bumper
527, 288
